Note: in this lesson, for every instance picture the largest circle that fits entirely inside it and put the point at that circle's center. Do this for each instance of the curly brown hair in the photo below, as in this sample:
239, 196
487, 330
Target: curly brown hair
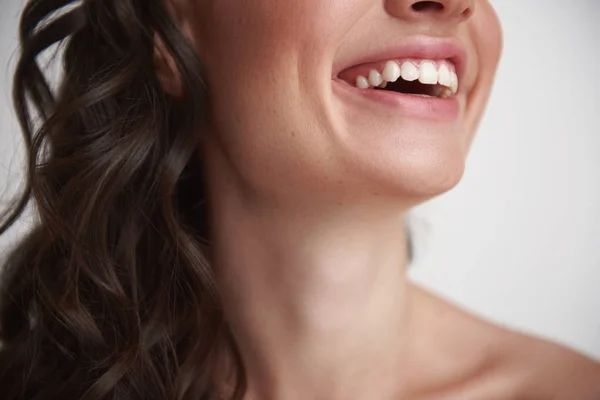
111, 295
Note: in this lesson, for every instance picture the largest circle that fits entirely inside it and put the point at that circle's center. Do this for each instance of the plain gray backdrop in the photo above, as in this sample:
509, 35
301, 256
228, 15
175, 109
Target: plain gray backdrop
518, 240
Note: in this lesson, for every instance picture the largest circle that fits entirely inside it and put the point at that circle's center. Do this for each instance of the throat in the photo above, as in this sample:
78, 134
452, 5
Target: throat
320, 336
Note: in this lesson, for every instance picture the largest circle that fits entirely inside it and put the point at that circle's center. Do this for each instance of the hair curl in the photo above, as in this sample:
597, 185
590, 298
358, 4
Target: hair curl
111, 295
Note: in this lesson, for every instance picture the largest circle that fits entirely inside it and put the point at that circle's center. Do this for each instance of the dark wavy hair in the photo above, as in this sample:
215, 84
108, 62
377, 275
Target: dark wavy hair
111, 295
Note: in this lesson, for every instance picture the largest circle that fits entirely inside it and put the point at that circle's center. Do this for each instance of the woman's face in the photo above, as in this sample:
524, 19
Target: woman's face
286, 112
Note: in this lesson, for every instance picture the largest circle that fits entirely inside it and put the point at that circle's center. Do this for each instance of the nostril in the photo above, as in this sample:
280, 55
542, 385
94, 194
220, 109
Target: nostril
467, 13
420, 6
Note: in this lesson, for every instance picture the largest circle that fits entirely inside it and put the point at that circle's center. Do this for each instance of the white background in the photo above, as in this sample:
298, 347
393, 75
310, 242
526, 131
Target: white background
518, 240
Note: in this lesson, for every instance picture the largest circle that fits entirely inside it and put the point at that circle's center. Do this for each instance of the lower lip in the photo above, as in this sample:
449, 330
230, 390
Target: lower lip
431, 108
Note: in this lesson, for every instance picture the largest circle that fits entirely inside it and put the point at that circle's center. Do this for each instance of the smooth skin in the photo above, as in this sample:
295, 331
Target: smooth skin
308, 194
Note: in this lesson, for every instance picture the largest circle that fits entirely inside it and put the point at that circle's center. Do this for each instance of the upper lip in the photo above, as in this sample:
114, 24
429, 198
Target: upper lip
418, 47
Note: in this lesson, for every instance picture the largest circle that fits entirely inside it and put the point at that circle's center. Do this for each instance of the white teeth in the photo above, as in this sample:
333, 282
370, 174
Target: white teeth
453, 82
375, 78
444, 78
409, 72
362, 82
391, 71
428, 73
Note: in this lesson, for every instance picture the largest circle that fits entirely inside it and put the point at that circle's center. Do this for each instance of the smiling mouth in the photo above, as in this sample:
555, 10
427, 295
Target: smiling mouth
425, 78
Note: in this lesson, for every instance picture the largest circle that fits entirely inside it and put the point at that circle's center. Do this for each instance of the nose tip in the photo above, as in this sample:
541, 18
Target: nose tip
457, 10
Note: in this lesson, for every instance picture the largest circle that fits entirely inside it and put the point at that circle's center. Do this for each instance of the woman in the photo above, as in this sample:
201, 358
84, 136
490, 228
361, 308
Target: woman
222, 189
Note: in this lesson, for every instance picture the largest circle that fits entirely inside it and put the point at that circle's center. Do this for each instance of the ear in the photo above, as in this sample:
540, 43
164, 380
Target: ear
166, 69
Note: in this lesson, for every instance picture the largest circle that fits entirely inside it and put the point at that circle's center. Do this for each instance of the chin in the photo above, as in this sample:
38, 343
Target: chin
418, 175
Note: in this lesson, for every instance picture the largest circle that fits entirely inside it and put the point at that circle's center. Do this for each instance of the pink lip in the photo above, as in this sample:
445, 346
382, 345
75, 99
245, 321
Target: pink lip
424, 47
399, 104
419, 47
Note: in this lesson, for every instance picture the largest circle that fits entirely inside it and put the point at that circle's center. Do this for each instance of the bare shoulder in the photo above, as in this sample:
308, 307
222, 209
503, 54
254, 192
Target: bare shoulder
523, 365
540, 369
554, 370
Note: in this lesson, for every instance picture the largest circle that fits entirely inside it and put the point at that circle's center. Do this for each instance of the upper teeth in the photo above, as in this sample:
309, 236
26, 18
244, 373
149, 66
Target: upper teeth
427, 73
375, 78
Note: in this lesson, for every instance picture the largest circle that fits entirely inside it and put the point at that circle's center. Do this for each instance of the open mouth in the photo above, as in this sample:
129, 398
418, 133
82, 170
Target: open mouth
426, 78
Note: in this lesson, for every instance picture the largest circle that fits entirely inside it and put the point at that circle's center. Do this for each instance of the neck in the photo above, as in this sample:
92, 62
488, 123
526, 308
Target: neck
314, 300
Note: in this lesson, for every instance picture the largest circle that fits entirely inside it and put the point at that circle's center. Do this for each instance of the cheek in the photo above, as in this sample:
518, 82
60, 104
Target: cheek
488, 36
234, 31
257, 51
264, 62
485, 35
